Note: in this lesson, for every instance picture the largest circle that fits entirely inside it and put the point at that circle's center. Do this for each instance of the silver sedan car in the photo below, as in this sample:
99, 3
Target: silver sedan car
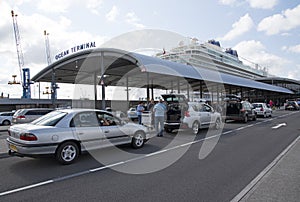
66, 133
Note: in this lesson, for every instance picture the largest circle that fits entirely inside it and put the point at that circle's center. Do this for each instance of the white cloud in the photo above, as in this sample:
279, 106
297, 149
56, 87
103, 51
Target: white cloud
255, 52
294, 49
293, 73
58, 6
287, 20
132, 19
31, 29
112, 14
243, 25
94, 5
55, 6
262, 4
227, 2
269, 4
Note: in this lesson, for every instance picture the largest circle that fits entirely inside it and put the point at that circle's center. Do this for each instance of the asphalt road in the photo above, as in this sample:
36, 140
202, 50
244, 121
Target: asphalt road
169, 167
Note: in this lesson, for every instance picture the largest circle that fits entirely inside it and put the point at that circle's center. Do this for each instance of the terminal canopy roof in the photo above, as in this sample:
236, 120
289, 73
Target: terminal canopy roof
116, 67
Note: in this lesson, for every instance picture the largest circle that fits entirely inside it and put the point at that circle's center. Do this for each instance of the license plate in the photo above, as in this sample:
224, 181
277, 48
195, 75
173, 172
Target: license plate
13, 147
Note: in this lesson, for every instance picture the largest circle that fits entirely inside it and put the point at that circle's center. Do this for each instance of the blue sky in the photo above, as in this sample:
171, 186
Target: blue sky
264, 32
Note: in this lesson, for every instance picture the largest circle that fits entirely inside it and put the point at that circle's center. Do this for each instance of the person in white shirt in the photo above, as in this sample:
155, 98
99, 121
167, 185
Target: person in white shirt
159, 117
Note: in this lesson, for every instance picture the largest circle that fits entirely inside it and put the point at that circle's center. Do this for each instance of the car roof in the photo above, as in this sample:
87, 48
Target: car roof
30, 109
81, 110
7, 112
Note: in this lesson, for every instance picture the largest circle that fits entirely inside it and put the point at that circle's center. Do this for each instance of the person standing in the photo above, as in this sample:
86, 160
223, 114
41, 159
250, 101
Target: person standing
271, 103
159, 117
150, 105
150, 109
139, 110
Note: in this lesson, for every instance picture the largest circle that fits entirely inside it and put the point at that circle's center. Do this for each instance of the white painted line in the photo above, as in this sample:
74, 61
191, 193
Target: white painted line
250, 186
279, 125
26, 187
244, 127
187, 144
155, 153
108, 166
227, 132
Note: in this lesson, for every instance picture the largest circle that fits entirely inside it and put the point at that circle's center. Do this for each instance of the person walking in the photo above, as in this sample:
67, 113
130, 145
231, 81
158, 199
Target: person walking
159, 117
139, 110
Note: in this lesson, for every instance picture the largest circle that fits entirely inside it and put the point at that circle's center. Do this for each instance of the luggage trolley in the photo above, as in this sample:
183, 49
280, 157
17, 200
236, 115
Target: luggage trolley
147, 118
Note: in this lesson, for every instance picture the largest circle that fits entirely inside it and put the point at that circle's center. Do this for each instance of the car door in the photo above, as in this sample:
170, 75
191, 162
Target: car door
86, 128
112, 129
205, 115
248, 107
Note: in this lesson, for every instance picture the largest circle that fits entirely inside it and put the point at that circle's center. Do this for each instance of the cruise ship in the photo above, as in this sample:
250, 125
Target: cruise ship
211, 55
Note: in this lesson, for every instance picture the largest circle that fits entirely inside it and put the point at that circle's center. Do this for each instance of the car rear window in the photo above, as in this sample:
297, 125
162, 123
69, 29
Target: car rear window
18, 112
38, 112
50, 119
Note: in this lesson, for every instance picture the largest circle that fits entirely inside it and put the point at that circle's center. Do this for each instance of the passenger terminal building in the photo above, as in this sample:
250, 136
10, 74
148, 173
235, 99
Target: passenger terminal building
194, 69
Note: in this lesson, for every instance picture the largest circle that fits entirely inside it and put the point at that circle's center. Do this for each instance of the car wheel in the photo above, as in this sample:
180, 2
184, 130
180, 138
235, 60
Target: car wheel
195, 127
218, 124
67, 153
6, 123
138, 140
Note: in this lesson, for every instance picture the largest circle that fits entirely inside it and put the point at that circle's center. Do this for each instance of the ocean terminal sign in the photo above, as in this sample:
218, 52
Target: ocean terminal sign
75, 49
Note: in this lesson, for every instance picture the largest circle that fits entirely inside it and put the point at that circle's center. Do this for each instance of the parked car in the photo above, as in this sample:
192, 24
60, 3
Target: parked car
28, 115
68, 132
291, 105
201, 115
6, 117
131, 113
116, 113
262, 109
239, 111
176, 106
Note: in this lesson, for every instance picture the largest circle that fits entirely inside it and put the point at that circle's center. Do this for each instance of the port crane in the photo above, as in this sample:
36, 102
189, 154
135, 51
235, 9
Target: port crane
24, 72
54, 86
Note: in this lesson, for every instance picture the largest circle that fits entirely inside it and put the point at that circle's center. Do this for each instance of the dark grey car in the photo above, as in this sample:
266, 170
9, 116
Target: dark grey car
240, 111
177, 105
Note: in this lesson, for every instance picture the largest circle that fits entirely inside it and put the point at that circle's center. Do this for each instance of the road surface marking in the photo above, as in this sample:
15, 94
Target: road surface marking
279, 125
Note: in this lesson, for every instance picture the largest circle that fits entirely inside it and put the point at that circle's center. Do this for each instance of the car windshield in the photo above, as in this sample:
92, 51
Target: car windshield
50, 119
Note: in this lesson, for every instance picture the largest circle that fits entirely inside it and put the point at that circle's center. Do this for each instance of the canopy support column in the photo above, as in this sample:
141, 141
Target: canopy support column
95, 89
102, 80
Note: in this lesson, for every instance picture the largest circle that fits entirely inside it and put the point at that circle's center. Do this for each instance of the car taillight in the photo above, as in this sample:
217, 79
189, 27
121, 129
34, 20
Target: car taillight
261, 109
243, 110
21, 117
187, 114
28, 137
